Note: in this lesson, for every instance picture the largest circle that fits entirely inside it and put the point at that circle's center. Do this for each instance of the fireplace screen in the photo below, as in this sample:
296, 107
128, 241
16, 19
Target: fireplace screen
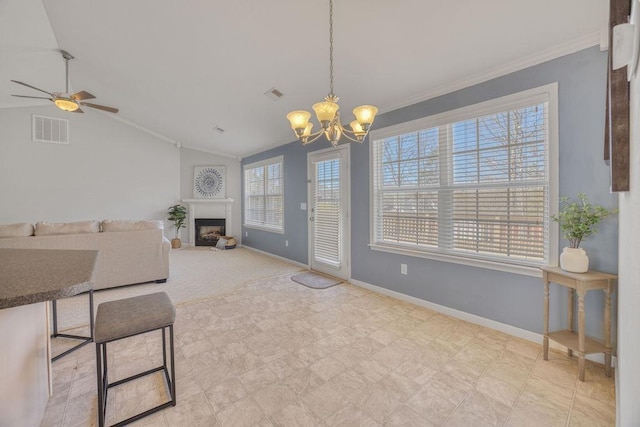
208, 231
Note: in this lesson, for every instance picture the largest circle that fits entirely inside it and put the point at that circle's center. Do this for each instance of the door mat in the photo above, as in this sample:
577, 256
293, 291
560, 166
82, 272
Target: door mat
315, 280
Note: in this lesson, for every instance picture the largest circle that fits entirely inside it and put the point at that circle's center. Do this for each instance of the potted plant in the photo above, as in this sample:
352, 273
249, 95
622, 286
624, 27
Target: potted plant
577, 220
177, 215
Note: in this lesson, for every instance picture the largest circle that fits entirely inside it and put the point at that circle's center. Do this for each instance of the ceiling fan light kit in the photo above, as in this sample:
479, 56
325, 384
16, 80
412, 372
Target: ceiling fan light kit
64, 101
327, 112
66, 104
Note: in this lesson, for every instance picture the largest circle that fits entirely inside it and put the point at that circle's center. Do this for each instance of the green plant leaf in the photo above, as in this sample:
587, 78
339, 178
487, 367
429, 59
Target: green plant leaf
578, 218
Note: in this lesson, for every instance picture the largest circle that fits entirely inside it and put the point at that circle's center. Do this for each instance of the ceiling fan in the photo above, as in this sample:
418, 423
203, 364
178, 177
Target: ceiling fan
66, 101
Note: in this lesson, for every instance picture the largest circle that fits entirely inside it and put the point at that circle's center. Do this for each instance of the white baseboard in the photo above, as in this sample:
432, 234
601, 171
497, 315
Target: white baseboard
299, 264
472, 318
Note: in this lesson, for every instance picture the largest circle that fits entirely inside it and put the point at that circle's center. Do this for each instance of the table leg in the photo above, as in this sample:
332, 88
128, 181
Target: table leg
570, 302
545, 344
607, 329
581, 334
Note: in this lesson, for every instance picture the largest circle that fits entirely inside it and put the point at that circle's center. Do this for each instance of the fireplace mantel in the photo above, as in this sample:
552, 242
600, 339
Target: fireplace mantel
193, 203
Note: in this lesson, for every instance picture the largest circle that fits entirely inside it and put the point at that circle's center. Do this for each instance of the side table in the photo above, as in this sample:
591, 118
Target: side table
579, 283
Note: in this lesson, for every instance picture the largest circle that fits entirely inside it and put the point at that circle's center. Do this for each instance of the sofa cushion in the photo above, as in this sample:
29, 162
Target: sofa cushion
79, 227
22, 229
124, 225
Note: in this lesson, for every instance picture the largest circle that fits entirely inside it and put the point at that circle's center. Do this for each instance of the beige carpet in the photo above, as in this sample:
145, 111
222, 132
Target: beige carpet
195, 273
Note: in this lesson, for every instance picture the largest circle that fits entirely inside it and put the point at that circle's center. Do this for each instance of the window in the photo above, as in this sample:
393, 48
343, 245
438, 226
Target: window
263, 191
473, 185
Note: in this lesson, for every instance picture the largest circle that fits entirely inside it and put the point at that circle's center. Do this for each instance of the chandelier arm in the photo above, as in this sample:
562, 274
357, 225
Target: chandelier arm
346, 133
313, 137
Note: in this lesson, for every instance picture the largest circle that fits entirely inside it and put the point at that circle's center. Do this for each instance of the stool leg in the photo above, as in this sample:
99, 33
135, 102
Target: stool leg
54, 309
164, 348
105, 373
91, 314
101, 396
173, 366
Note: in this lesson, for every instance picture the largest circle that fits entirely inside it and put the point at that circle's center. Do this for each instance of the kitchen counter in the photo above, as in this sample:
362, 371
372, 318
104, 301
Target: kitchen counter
29, 278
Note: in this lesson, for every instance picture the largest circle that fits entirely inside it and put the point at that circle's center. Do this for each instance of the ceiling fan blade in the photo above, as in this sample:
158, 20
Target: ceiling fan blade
32, 87
81, 96
77, 111
100, 107
34, 97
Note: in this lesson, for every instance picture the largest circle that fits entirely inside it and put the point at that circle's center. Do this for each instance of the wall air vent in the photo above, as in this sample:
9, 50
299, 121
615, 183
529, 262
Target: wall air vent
50, 129
274, 94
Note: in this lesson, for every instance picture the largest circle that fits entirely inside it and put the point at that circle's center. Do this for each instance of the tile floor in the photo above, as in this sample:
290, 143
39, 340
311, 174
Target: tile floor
275, 353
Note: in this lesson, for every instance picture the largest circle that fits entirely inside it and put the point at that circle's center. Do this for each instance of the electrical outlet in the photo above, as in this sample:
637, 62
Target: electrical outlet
286, 243
403, 268
246, 234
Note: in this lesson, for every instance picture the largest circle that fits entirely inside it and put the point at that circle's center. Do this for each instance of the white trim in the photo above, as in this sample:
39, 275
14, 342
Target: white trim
194, 201
473, 262
264, 149
265, 162
599, 38
475, 319
276, 230
259, 164
558, 51
178, 144
228, 214
546, 93
336, 271
281, 258
542, 94
554, 172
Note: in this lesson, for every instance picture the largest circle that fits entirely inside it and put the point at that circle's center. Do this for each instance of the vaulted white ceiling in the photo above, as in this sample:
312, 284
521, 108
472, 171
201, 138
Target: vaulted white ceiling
181, 68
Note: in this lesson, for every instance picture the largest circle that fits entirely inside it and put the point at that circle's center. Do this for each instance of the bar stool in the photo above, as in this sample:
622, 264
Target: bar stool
125, 318
84, 340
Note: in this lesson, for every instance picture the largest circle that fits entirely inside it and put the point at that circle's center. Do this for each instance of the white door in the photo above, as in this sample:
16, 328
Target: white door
329, 231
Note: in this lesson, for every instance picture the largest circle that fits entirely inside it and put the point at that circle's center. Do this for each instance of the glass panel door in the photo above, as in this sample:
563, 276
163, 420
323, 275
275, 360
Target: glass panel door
328, 213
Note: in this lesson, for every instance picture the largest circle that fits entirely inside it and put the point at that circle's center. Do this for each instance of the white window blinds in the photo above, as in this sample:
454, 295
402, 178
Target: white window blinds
475, 187
327, 223
263, 195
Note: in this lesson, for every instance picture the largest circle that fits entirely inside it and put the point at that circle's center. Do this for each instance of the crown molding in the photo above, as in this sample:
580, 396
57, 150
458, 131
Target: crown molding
213, 152
165, 138
262, 150
139, 127
590, 40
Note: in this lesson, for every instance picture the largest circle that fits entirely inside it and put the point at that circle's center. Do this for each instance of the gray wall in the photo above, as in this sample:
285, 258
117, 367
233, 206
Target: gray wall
109, 170
509, 298
295, 192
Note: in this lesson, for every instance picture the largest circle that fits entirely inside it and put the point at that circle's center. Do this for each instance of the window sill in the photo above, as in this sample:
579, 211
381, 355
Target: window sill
264, 228
480, 263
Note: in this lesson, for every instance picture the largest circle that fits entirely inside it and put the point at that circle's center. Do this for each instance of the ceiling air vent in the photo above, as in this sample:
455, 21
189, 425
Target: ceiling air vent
274, 94
50, 129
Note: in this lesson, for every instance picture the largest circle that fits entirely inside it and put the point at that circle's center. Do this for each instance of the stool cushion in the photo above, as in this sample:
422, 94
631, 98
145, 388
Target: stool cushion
131, 316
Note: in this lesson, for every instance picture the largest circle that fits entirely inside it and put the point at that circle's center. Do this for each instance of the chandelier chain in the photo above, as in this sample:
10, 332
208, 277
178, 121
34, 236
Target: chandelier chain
327, 112
331, 47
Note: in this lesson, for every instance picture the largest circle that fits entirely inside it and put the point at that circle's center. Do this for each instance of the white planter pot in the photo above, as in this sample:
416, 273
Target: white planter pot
574, 260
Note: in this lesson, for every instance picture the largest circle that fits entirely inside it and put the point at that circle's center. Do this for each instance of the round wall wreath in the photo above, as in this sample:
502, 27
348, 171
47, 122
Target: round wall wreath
208, 182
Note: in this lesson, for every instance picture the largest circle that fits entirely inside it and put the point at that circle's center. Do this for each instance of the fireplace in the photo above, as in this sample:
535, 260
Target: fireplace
208, 230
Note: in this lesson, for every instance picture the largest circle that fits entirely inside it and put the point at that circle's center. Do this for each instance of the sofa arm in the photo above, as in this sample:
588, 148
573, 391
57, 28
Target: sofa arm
166, 248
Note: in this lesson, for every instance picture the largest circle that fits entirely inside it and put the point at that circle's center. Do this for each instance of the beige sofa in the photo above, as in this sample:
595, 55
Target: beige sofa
130, 251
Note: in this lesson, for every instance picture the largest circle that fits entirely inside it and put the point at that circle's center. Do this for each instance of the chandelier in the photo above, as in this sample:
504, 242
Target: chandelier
327, 112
